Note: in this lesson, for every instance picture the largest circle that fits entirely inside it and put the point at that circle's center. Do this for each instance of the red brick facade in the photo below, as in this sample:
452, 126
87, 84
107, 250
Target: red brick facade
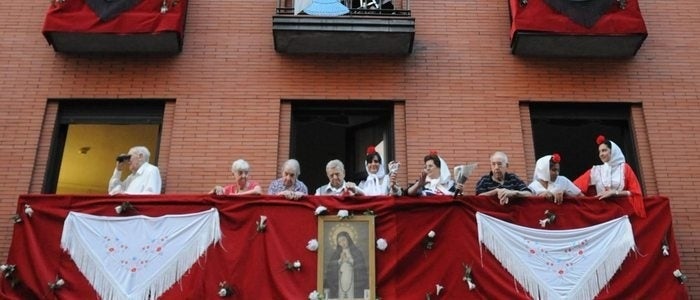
229, 95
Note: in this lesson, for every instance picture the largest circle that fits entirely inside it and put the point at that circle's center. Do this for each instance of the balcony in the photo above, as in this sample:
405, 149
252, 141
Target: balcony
615, 30
367, 28
104, 27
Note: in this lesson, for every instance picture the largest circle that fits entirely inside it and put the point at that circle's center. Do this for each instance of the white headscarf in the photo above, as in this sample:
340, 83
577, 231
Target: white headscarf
380, 173
542, 169
610, 175
374, 184
445, 177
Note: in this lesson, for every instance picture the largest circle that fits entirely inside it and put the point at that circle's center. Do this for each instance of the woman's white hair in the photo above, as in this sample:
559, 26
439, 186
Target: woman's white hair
293, 164
240, 165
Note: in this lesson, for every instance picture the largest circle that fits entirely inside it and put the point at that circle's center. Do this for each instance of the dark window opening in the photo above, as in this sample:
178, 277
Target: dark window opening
571, 130
339, 130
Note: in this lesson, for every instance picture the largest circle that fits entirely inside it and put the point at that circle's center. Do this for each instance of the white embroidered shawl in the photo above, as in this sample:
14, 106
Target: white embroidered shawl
559, 264
137, 257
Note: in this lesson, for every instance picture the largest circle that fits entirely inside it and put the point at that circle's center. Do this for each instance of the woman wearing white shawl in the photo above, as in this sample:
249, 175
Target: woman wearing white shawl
547, 183
377, 183
435, 178
614, 178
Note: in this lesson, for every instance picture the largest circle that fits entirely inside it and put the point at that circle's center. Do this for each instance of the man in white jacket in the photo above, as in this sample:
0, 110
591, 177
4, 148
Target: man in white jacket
144, 177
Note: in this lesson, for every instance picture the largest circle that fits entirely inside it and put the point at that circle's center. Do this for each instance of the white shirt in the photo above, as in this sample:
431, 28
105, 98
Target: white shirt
561, 184
146, 180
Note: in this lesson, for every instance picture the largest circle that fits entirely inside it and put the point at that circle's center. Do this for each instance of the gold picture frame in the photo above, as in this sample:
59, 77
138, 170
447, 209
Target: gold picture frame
346, 266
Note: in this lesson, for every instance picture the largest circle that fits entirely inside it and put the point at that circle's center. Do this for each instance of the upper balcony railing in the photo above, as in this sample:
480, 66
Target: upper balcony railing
356, 27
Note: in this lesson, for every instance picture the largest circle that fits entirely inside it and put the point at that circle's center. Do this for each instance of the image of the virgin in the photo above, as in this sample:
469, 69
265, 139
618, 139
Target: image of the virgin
346, 274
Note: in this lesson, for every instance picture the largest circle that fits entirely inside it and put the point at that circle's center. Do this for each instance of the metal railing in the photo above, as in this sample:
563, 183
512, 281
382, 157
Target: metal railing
398, 8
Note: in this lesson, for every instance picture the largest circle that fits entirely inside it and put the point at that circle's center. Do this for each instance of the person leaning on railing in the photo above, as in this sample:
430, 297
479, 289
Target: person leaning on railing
289, 184
614, 178
435, 178
242, 184
377, 182
547, 182
499, 182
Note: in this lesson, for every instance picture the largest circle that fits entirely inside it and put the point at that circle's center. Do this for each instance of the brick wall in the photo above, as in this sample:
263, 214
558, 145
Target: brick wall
461, 91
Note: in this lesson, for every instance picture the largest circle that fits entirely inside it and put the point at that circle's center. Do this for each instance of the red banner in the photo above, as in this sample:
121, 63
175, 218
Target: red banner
253, 262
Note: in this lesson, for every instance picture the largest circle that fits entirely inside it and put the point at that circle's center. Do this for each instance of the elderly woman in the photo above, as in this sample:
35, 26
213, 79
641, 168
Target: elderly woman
547, 183
435, 179
377, 183
335, 170
614, 178
241, 186
289, 184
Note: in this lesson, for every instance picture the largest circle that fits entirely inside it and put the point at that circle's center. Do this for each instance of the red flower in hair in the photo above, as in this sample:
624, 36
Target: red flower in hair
433, 152
600, 140
371, 150
556, 158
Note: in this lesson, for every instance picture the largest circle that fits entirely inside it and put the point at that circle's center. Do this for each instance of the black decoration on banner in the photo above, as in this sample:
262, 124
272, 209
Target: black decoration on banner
582, 12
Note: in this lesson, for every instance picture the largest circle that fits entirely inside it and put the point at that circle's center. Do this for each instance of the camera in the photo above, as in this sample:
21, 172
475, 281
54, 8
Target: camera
123, 157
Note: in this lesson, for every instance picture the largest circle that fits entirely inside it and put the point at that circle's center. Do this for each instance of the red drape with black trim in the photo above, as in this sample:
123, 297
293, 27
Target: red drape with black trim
144, 17
253, 263
538, 16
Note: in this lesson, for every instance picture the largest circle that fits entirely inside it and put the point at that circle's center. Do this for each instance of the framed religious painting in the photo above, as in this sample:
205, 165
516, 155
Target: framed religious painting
346, 258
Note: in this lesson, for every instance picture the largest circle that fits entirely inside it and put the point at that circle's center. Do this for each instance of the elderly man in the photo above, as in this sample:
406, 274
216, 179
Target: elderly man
335, 170
289, 184
144, 177
501, 183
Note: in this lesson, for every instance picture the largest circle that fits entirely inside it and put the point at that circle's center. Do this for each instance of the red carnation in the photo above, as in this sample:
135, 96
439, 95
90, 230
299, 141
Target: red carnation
433, 152
556, 158
600, 140
371, 150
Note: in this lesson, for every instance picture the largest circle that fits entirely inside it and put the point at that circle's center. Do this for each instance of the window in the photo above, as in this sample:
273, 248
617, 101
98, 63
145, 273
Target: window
341, 129
90, 134
571, 129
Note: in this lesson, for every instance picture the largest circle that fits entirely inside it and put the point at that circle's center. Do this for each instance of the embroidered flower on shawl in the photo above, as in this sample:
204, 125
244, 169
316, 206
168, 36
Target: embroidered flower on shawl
600, 139
28, 210
261, 225
312, 245
16, 218
320, 210
225, 289
549, 218
57, 284
371, 150
468, 277
292, 266
382, 244
556, 158
344, 214
124, 207
429, 241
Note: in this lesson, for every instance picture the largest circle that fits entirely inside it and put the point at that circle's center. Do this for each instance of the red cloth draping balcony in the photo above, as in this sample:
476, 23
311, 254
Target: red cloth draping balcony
540, 17
253, 262
76, 16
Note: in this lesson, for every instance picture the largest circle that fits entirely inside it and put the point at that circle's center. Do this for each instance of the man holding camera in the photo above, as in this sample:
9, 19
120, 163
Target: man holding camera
144, 177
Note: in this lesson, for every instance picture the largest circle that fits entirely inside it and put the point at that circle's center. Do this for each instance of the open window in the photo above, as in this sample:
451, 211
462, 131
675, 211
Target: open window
90, 134
571, 130
323, 131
